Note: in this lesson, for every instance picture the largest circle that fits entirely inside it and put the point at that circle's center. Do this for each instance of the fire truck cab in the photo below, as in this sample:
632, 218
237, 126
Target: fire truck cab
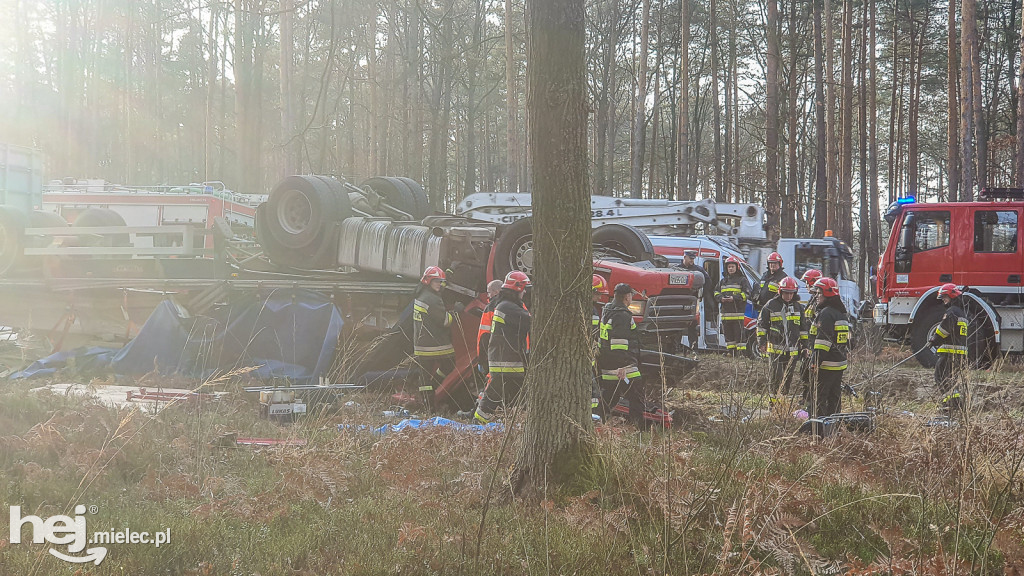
971, 244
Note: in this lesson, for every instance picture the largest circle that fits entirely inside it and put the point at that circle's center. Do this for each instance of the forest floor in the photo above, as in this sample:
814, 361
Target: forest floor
731, 489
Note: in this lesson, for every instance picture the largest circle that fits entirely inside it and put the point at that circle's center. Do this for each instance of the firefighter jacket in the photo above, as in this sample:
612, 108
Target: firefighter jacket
780, 326
509, 345
951, 334
484, 333
431, 329
595, 321
737, 287
619, 343
768, 287
809, 312
830, 335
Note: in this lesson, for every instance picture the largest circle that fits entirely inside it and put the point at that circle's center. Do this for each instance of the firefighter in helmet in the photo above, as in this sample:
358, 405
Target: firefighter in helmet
809, 278
732, 294
618, 357
432, 337
484, 332
830, 335
768, 287
779, 330
507, 348
950, 343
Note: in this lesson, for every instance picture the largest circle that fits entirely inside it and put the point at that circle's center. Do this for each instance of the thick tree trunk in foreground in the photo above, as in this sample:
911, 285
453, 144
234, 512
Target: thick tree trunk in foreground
953, 112
558, 380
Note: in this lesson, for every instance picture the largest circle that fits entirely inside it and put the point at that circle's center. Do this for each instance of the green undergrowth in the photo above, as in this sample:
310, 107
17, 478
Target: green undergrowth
715, 496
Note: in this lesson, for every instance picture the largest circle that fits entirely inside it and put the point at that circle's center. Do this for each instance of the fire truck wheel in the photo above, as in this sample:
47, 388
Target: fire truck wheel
514, 249
298, 206
624, 239
101, 217
420, 196
923, 327
12, 235
394, 192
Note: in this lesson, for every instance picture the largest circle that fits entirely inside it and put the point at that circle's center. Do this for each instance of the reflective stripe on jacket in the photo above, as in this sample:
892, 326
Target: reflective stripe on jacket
431, 327
780, 326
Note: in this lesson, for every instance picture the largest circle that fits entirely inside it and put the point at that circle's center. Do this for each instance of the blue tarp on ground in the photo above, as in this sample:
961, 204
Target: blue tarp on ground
416, 423
289, 335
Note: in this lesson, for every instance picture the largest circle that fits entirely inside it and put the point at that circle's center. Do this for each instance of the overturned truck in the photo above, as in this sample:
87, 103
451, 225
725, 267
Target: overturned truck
364, 246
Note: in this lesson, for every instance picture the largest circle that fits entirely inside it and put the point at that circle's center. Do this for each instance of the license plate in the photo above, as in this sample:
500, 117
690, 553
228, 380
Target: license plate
678, 279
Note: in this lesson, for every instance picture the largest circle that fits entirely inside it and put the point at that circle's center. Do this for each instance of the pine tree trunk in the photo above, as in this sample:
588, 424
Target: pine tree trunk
715, 107
844, 206
821, 144
831, 140
967, 114
683, 141
772, 122
553, 446
873, 136
980, 125
636, 183
511, 107
953, 109
292, 146
864, 229
1018, 173
790, 203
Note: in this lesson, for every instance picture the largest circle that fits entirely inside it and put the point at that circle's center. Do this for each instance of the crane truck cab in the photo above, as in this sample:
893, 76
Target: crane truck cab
971, 244
827, 254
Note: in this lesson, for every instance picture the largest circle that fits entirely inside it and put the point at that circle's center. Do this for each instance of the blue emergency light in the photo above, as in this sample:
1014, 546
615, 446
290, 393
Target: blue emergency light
906, 200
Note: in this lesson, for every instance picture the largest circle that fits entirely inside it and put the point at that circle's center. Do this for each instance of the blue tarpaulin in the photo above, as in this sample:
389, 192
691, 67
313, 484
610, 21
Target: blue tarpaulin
416, 423
290, 335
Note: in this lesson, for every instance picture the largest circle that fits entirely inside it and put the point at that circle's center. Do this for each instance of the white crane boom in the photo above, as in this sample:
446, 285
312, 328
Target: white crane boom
741, 221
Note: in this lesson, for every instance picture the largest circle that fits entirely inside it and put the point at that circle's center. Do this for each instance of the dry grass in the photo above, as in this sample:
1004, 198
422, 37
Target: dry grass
715, 496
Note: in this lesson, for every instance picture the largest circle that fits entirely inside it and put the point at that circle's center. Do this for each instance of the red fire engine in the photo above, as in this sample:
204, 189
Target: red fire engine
971, 244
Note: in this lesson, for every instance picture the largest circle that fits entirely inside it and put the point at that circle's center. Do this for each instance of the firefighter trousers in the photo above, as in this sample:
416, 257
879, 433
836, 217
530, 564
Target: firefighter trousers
825, 393
431, 372
502, 390
632, 390
733, 332
780, 370
950, 370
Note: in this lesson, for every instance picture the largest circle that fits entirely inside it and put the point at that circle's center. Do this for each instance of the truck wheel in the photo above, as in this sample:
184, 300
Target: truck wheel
342, 205
625, 239
394, 192
420, 196
514, 249
752, 350
43, 219
298, 207
12, 238
105, 217
923, 327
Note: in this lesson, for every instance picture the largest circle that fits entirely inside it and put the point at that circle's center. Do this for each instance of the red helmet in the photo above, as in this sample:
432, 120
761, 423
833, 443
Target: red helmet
432, 273
827, 286
600, 285
788, 284
811, 276
733, 260
775, 257
516, 280
949, 290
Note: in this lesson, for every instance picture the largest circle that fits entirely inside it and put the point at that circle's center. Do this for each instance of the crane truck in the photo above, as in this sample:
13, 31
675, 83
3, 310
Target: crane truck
730, 229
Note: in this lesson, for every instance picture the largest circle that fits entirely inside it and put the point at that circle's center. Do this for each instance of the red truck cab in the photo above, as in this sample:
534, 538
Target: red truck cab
974, 245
